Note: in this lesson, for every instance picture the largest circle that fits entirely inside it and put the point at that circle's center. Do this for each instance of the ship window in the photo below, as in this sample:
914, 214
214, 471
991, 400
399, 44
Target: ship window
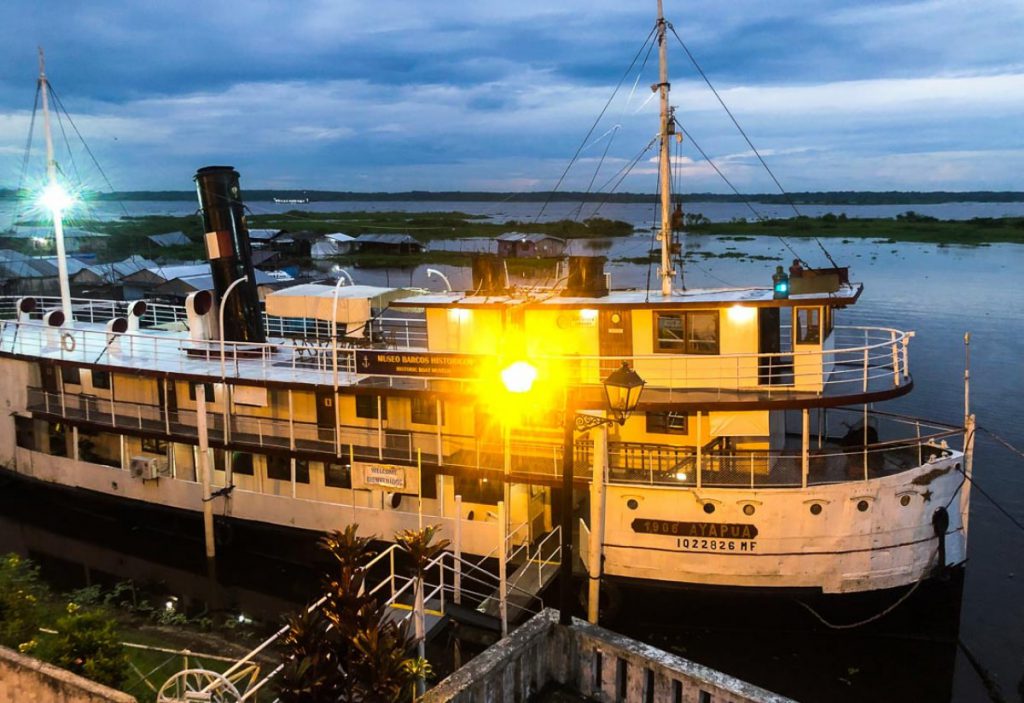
424, 410
279, 468
25, 433
667, 423
241, 463
428, 483
154, 445
366, 407
686, 332
72, 376
478, 490
337, 475
101, 379
808, 325
192, 391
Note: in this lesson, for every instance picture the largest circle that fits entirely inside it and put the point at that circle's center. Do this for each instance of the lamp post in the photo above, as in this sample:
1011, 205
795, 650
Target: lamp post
622, 390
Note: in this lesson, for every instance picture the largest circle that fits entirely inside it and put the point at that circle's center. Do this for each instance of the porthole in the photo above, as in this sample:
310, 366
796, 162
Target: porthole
632, 504
956, 466
748, 509
815, 508
616, 318
709, 508
905, 500
862, 506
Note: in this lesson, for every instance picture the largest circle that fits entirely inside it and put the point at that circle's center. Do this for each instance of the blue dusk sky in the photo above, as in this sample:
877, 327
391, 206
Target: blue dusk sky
484, 95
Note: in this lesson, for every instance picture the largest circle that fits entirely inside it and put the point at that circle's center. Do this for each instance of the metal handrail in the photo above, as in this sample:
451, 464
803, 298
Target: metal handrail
881, 355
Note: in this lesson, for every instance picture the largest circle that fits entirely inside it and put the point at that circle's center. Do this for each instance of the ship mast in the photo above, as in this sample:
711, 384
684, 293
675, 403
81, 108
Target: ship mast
54, 198
666, 273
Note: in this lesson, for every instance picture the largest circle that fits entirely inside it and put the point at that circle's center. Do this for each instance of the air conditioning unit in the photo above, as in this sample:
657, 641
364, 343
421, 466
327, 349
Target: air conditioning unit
149, 468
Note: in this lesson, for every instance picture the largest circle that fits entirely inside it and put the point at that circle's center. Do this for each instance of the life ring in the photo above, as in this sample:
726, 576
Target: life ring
67, 342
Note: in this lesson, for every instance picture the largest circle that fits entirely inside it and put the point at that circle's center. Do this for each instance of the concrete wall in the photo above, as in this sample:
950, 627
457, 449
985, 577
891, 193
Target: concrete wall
594, 662
27, 680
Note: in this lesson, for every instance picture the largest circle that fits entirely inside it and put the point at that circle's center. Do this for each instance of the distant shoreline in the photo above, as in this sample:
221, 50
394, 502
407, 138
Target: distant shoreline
806, 198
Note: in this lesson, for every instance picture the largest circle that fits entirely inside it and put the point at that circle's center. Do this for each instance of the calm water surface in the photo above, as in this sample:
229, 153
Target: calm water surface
940, 292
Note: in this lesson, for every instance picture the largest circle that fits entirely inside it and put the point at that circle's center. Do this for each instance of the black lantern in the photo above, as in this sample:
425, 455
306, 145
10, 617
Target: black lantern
623, 387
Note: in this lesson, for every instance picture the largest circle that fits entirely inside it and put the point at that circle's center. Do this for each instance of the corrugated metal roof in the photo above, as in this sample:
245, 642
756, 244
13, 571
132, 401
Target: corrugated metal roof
264, 235
527, 237
388, 238
170, 239
47, 233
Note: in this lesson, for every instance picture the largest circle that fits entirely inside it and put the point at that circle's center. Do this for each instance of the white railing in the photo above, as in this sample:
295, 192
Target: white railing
878, 363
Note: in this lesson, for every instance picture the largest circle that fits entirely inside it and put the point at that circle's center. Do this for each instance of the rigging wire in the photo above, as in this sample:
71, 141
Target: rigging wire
16, 212
734, 190
60, 105
597, 170
594, 126
721, 175
654, 230
621, 176
67, 144
1006, 513
753, 148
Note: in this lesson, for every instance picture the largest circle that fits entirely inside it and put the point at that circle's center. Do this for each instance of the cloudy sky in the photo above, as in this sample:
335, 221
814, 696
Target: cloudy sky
487, 95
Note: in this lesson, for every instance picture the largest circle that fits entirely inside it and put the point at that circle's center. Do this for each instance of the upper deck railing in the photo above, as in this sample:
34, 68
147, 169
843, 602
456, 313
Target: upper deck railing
853, 362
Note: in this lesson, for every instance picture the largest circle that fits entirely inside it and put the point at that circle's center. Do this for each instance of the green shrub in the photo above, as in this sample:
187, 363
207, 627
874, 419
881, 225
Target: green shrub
87, 644
21, 592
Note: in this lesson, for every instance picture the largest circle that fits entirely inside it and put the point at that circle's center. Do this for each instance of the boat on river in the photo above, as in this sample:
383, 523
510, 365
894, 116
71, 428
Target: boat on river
758, 454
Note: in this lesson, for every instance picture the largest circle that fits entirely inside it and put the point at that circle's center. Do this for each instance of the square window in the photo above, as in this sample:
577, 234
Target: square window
279, 468
25, 432
686, 332
702, 333
671, 333
424, 410
154, 445
241, 463
72, 376
667, 423
337, 475
101, 379
192, 385
366, 407
808, 325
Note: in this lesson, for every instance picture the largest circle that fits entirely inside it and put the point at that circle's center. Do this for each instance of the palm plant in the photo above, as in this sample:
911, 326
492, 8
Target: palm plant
422, 550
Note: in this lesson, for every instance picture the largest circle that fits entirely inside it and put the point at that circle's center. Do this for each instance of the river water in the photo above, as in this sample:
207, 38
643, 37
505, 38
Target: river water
941, 292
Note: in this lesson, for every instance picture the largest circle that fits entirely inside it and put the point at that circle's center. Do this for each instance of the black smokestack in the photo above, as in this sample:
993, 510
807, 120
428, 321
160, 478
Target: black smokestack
227, 246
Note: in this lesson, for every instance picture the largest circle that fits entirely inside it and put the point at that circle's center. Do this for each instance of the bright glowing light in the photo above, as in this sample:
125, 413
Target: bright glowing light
681, 476
741, 313
460, 315
519, 377
588, 315
55, 199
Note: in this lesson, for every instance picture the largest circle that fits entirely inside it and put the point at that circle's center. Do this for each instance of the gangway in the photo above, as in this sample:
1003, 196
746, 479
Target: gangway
537, 567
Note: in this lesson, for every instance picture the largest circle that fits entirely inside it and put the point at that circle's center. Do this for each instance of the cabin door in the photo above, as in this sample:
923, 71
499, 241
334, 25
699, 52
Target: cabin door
615, 338
325, 415
769, 341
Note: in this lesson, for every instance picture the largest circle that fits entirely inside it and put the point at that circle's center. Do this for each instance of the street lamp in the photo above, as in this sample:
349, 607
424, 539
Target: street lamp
622, 388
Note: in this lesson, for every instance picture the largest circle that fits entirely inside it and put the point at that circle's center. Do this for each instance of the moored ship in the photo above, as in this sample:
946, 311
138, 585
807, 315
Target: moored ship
752, 454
